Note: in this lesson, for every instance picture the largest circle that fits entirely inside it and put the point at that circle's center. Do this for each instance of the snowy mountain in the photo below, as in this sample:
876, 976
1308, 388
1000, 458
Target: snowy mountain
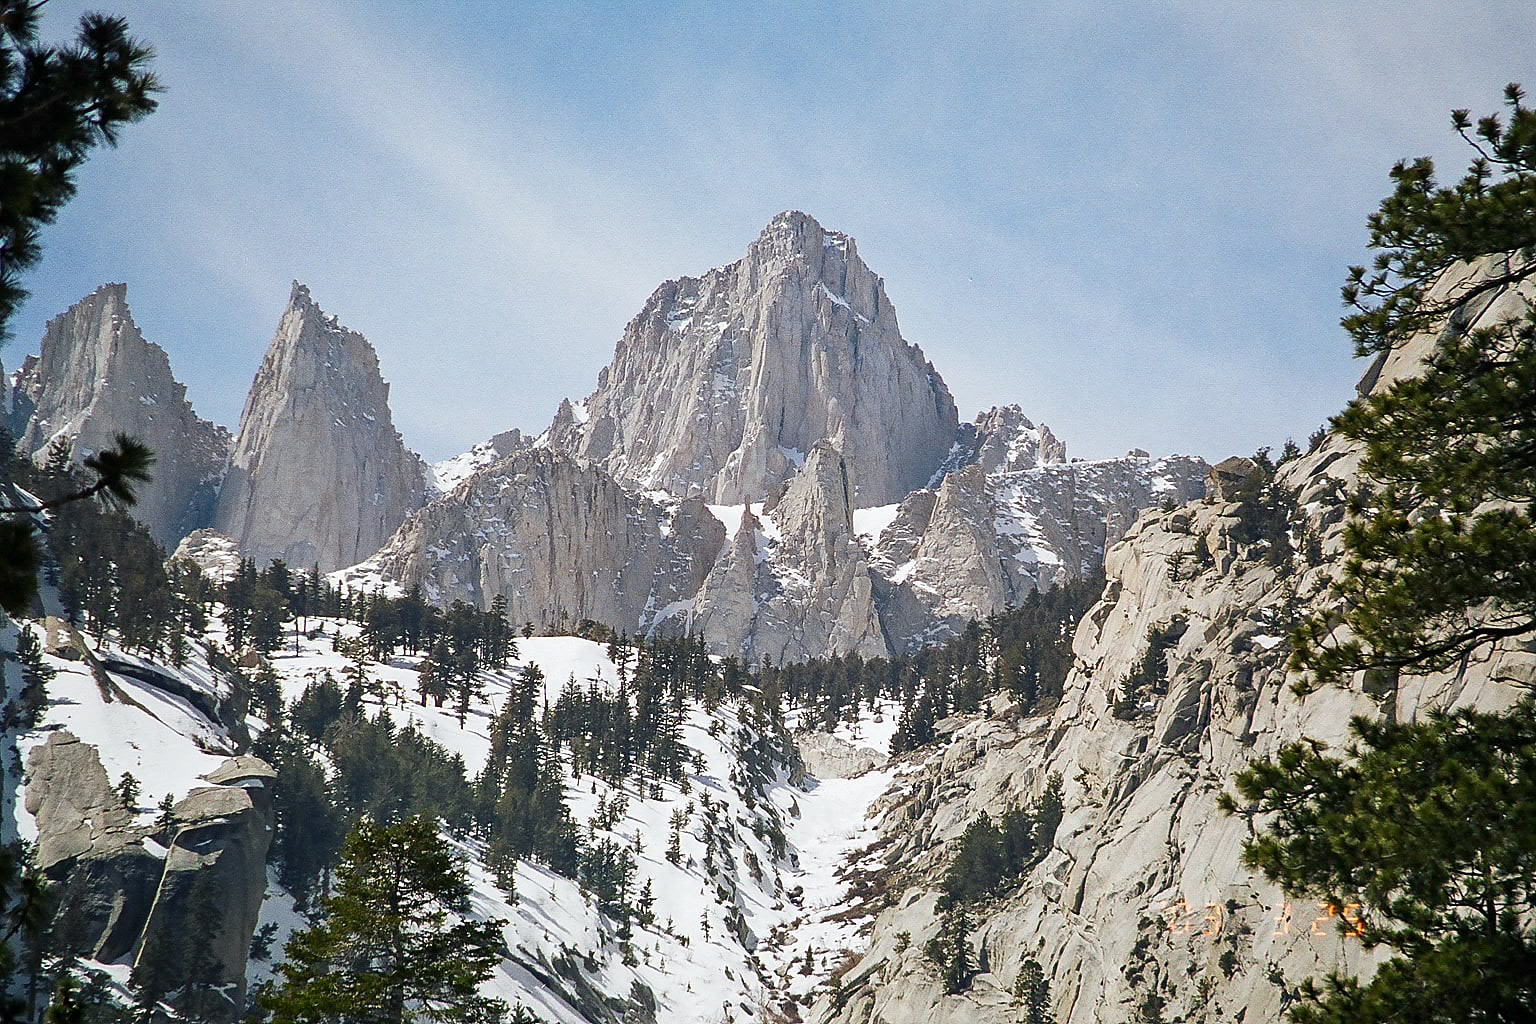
789, 389
750, 893
722, 384
95, 377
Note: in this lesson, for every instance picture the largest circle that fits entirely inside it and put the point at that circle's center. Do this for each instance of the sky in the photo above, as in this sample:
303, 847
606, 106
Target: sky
1129, 218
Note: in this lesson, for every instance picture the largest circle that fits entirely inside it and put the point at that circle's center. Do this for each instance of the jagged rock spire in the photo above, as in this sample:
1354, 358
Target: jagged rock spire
95, 377
723, 383
318, 474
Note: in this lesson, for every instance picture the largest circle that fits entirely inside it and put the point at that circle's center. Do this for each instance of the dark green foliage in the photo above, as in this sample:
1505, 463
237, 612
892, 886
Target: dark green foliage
637, 730
165, 821
1441, 553
25, 910
128, 791
978, 866
388, 773
309, 829
385, 773
607, 870
1032, 993
988, 855
1431, 826
950, 950
1150, 677
1424, 229
391, 946
68, 1005
519, 796
115, 473
318, 707
25, 709
1265, 512
1024, 651
57, 103
109, 571
20, 559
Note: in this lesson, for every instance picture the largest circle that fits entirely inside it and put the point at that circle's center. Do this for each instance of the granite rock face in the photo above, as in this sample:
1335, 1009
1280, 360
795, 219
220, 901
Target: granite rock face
1011, 515
801, 587
1143, 900
183, 914
790, 578
722, 384
318, 473
559, 539
95, 377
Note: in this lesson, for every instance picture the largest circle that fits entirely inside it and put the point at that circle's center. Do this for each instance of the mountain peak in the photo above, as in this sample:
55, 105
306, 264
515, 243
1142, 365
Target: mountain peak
759, 361
793, 230
317, 411
97, 376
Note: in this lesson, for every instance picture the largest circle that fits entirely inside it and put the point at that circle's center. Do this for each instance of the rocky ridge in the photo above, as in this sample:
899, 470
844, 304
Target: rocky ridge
803, 590
793, 406
559, 539
1143, 910
1011, 515
96, 377
797, 336
318, 473
722, 384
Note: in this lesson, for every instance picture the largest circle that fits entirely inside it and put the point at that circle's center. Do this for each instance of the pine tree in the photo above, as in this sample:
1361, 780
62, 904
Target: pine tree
1439, 560
950, 949
35, 676
165, 822
128, 791
390, 948
1032, 992
1431, 828
26, 907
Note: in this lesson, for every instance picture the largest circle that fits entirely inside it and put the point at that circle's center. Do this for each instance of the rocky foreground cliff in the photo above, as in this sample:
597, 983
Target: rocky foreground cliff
1142, 910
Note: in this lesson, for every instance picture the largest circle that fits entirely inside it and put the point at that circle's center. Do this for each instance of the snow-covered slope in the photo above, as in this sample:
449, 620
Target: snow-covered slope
756, 885
693, 962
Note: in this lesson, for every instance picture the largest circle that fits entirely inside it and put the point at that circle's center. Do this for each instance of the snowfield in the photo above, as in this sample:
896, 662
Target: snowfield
734, 918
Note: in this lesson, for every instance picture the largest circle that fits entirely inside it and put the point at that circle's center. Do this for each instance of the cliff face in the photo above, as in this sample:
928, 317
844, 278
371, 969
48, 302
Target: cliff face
796, 586
1011, 515
722, 384
1143, 901
793, 578
96, 377
318, 473
182, 914
559, 539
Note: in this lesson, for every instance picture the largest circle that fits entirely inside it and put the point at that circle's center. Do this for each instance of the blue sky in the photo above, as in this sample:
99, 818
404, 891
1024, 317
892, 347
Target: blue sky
1132, 219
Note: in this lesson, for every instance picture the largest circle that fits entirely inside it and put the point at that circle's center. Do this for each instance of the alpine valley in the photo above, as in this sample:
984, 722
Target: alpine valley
709, 684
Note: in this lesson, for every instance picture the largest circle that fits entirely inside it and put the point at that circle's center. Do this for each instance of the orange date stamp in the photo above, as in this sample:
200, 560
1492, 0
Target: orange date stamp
1210, 920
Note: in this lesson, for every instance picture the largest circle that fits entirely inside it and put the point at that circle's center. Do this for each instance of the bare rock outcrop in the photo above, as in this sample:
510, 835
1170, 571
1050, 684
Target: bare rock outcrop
1008, 515
723, 383
559, 539
181, 908
95, 377
796, 585
318, 473
1142, 907
215, 555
